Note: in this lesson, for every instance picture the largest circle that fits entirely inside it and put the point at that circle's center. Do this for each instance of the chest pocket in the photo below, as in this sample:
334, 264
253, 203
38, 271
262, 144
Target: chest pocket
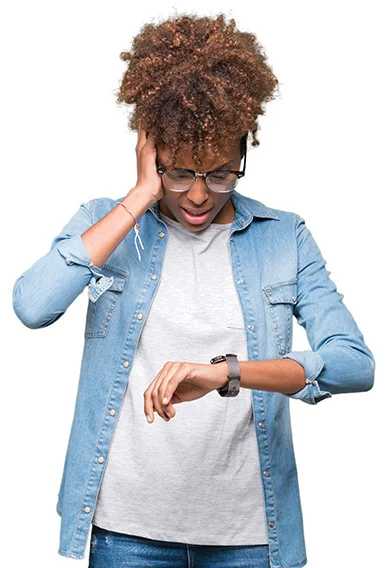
104, 294
281, 299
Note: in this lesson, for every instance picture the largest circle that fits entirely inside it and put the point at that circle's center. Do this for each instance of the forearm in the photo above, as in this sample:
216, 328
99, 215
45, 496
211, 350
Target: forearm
279, 375
104, 236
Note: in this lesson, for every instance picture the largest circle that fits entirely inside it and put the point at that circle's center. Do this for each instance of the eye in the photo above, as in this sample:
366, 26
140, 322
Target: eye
179, 174
220, 174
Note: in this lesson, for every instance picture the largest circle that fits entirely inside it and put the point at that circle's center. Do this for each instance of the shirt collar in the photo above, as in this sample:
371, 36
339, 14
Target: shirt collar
248, 206
245, 209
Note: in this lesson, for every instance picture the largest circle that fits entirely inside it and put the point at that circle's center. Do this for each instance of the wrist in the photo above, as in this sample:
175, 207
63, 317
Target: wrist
137, 200
221, 370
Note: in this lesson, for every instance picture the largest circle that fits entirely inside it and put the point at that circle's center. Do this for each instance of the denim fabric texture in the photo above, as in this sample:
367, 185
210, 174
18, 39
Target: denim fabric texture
119, 550
279, 273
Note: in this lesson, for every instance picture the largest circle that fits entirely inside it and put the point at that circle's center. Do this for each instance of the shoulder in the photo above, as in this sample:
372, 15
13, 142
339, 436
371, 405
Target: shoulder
262, 210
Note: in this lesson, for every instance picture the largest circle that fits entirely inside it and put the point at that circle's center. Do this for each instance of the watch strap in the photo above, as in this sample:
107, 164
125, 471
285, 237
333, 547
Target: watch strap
232, 387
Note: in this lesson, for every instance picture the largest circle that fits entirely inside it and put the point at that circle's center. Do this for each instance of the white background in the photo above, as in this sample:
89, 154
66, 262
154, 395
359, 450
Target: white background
64, 140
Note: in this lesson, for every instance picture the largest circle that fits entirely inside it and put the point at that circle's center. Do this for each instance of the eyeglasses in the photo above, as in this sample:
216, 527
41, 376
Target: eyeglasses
220, 181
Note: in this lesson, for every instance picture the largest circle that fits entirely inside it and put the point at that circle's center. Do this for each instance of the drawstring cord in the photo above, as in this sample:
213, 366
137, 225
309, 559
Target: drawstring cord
136, 230
138, 236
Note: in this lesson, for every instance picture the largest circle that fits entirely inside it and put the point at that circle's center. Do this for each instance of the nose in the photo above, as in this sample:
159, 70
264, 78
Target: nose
198, 193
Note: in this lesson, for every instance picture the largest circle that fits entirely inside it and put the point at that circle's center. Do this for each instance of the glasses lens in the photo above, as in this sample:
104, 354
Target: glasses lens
222, 180
182, 180
178, 179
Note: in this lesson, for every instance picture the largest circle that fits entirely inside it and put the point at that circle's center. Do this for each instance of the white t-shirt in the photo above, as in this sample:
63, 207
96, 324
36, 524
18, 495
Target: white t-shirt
196, 478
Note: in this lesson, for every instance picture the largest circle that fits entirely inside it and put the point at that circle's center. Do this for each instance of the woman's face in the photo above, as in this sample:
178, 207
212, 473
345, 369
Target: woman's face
217, 207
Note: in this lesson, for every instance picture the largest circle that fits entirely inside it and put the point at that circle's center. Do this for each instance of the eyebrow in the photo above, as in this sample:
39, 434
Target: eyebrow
226, 164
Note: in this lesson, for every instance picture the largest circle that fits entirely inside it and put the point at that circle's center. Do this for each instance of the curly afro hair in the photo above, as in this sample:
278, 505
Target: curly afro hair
198, 81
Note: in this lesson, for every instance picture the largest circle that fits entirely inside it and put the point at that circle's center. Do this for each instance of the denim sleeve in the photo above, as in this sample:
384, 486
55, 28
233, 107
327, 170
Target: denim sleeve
42, 293
339, 360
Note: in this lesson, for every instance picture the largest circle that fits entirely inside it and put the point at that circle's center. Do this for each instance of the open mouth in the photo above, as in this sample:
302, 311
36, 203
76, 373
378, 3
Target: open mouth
194, 218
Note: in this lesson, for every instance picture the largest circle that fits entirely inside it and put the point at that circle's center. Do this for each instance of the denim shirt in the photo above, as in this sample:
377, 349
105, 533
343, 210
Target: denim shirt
279, 273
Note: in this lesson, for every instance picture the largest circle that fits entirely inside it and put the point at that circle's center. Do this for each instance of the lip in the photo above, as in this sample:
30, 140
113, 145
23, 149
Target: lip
196, 219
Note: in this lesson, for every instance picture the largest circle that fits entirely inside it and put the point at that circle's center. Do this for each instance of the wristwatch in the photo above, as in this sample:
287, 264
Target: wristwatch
232, 387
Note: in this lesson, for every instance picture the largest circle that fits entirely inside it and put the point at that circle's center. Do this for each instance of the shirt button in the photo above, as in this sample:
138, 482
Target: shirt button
266, 472
87, 509
154, 277
112, 411
240, 281
271, 524
125, 363
101, 459
140, 316
261, 424
161, 234
250, 326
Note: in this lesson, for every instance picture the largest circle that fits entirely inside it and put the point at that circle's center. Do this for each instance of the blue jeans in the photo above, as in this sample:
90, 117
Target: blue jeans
110, 549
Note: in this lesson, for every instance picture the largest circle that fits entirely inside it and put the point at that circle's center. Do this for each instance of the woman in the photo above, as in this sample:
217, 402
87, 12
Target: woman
192, 290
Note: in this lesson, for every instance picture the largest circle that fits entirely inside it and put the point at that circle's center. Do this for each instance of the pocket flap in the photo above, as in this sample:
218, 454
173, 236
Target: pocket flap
97, 287
118, 283
281, 292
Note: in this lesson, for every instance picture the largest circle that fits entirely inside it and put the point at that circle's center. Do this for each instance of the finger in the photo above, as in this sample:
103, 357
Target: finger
169, 408
169, 384
159, 407
148, 406
168, 381
169, 387
141, 137
153, 390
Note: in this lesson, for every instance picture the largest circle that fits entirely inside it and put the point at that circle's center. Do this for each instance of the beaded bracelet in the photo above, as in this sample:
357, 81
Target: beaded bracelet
136, 230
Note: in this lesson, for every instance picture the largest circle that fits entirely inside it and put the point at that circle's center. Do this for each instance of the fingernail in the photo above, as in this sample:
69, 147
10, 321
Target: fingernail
164, 400
149, 418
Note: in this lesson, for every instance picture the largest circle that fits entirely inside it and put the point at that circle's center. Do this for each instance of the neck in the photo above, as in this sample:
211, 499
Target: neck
226, 214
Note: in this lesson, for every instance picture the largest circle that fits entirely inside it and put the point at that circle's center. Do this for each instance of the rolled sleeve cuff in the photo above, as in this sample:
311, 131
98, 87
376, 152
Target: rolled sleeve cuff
74, 251
313, 364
